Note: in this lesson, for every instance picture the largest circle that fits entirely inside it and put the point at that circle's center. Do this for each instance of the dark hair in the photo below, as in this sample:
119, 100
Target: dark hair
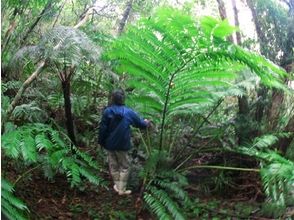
118, 97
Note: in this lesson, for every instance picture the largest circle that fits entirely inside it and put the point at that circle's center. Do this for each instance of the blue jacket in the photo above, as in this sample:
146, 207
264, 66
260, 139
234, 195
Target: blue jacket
115, 132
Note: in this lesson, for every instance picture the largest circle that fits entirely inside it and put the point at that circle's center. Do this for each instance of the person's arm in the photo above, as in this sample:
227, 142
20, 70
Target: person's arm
139, 122
103, 128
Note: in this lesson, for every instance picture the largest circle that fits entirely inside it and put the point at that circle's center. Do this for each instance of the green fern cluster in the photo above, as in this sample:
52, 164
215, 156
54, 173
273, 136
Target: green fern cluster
11, 206
164, 193
39, 143
277, 172
178, 65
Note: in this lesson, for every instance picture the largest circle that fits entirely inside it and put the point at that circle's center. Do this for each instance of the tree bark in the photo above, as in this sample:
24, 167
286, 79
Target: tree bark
67, 109
125, 17
45, 9
24, 86
243, 127
237, 23
59, 12
287, 63
273, 113
284, 143
260, 33
223, 15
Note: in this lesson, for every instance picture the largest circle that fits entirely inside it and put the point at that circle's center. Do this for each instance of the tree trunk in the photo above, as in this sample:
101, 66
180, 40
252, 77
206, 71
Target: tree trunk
24, 86
59, 12
243, 126
244, 132
124, 19
273, 112
260, 33
223, 15
45, 9
67, 110
237, 23
284, 143
287, 63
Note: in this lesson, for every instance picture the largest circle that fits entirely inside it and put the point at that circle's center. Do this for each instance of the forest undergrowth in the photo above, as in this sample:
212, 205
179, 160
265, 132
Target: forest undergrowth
221, 141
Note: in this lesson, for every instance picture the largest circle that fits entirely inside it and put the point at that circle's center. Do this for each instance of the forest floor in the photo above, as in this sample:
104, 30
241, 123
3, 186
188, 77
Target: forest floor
57, 200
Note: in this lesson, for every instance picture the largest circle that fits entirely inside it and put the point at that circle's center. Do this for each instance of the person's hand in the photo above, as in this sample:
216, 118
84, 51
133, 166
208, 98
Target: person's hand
148, 122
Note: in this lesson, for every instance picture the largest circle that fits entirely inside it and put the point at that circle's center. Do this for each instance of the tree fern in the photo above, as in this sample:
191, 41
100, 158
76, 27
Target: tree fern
277, 172
39, 143
11, 206
176, 64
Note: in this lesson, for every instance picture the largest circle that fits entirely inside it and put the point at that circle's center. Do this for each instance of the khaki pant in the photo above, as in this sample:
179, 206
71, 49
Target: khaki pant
119, 166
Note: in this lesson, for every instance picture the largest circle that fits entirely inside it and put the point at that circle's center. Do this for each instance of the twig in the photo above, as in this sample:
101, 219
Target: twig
25, 173
220, 168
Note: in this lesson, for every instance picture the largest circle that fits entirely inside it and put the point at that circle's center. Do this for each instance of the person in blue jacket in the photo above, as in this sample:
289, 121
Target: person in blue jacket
115, 137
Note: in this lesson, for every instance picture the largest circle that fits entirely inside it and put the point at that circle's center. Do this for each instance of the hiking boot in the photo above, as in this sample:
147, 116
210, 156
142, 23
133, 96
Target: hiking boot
115, 188
126, 192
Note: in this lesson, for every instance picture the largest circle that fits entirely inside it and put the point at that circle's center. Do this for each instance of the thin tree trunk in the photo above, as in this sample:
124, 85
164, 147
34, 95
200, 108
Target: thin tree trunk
262, 91
67, 109
259, 31
45, 9
7, 35
125, 17
223, 15
242, 128
59, 12
284, 143
84, 17
237, 23
24, 86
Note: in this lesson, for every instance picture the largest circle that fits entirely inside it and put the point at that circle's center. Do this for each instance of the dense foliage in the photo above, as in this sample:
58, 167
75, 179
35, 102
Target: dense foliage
180, 71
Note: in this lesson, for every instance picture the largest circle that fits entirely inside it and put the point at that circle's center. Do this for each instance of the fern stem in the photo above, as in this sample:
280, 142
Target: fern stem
25, 173
144, 143
220, 168
210, 113
167, 99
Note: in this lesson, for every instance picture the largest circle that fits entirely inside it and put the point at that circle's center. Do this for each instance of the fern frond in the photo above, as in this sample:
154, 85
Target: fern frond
28, 147
40, 143
172, 60
168, 203
11, 206
156, 207
277, 172
90, 176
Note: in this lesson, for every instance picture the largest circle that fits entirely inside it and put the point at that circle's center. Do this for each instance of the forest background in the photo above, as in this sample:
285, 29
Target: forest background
215, 77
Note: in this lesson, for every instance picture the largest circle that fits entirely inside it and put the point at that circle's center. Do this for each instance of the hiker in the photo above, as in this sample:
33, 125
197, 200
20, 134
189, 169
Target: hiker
115, 137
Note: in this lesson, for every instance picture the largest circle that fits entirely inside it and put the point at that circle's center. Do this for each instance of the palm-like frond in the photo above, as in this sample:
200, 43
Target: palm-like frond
29, 112
164, 194
11, 206
39, 142
68, 45
277, 172
177, 65
60, 45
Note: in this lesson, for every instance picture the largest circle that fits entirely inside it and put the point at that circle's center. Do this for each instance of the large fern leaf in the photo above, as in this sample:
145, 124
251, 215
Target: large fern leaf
38, 142
11, 206
176, 64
